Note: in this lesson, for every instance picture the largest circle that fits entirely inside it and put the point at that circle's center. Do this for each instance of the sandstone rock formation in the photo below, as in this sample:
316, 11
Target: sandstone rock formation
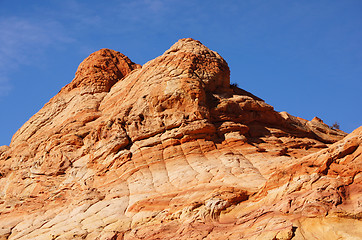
171, 150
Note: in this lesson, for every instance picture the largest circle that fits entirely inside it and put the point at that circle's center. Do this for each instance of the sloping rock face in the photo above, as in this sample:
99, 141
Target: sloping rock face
171, 150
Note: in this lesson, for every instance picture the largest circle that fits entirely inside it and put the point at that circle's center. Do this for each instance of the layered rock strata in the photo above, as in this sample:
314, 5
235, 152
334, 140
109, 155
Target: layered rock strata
171, 150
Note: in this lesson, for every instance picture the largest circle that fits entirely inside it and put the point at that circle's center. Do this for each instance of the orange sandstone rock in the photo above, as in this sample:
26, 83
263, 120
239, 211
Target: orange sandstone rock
171, 150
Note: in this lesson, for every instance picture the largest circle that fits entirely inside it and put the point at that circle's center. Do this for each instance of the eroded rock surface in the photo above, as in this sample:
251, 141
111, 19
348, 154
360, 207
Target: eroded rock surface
171, 150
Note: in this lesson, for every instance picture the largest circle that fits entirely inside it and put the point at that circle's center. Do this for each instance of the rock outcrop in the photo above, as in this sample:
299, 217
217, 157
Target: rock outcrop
171, 150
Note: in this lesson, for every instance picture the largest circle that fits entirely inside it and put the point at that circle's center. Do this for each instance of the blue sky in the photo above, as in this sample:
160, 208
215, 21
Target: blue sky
303, 57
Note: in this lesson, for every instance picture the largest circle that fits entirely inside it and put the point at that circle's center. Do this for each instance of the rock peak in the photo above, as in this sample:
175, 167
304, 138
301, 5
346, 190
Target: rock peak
201, 63
192, 46
187, 45
100, 71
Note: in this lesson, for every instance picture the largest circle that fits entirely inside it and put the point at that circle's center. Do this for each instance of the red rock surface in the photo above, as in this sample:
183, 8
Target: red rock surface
171, 150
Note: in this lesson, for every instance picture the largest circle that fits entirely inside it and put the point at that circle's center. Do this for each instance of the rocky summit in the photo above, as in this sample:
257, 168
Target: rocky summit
172, 150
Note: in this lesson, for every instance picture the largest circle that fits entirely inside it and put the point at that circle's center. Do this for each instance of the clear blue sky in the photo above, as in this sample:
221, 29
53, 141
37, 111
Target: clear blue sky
303, 57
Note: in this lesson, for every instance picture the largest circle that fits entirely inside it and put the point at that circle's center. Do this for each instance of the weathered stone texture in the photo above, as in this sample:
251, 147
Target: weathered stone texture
171, 150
